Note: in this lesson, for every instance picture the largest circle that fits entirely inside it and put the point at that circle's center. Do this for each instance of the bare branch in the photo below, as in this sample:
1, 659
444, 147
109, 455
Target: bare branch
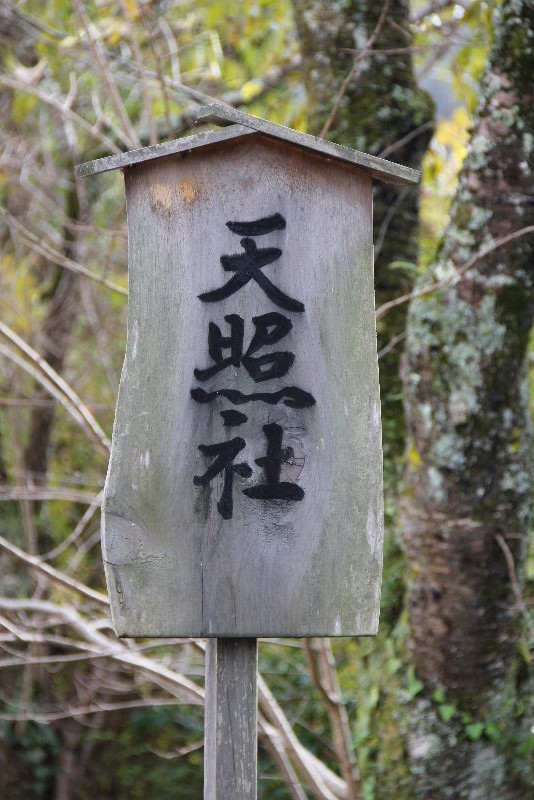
323, 671
91, 708
35, 493
73, 537
173, 682
55, 575
106, 74
514, 583
55, 257
180, 752
323, 783
392, 148
145, 95
454, 277
393, 342
272, 741
172, 47
55, 103
352, 74
59, 388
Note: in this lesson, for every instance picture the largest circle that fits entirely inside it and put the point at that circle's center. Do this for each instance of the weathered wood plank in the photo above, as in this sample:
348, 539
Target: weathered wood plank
303, 566
186, 143
230, 726
380, 168
238, 124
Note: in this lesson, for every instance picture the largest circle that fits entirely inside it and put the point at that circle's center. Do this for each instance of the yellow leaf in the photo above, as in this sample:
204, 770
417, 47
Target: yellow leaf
250, 90
134, 11
413, 457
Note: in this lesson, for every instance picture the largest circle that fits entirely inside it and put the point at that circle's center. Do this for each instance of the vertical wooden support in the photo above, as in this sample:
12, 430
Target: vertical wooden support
230, 722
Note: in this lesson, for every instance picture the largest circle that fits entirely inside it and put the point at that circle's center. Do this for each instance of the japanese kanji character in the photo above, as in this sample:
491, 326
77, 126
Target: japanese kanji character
225, 453
248, 265
270, 328
273, 488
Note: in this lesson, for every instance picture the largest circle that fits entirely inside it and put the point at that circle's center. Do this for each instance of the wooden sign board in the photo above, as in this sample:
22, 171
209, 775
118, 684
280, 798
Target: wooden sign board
244, 492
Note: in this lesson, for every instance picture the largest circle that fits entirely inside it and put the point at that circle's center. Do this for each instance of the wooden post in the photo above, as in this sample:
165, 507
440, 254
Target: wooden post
230, 724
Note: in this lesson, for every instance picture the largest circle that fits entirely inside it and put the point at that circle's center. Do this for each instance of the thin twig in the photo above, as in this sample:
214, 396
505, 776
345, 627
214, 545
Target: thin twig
514, 583
53, 574
344, 86
106, 121
386, 222
36, 493
91, 708
467, 265
61, 390
392, 148
73, 537
49, 99
55, 257
92, 541
105, 72
393, 342
435, 7
51, 387
173, 682
145, 95
324, 674
102, 342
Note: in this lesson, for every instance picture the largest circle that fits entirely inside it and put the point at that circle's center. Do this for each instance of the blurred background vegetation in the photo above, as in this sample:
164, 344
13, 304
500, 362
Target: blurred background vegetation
439, 705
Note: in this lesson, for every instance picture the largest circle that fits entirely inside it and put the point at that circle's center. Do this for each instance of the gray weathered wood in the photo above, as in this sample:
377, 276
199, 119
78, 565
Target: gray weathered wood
380, 168
174, 566
245, 124
230, 725
175, 146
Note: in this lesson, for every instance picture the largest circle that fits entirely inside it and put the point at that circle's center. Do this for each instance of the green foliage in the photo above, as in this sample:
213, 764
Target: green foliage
31, 763
141, 758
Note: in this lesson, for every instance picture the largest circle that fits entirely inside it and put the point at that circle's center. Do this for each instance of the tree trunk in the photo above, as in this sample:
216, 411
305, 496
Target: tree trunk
381, 106
469, 480
56, 333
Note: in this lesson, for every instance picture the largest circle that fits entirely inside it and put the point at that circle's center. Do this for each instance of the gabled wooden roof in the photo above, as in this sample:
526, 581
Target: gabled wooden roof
238, 124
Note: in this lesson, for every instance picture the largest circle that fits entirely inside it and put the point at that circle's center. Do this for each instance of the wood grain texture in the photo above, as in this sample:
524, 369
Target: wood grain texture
174, 566
230, 725
379, 168
185, 143
240, 124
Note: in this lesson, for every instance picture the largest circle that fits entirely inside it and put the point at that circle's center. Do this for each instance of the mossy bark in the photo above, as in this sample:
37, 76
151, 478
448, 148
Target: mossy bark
469, 480
381, 106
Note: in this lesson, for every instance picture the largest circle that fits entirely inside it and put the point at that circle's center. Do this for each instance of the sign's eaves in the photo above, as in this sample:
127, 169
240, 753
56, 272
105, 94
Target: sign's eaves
381, 169
122, 160
237, 124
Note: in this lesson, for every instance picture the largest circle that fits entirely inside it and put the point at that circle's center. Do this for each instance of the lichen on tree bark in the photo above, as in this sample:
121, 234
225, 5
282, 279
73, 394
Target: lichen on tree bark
469, 479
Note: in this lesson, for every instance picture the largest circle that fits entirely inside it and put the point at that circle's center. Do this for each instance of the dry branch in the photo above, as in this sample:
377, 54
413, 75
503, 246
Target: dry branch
56, 385
324, 674
55, 257
455, 276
